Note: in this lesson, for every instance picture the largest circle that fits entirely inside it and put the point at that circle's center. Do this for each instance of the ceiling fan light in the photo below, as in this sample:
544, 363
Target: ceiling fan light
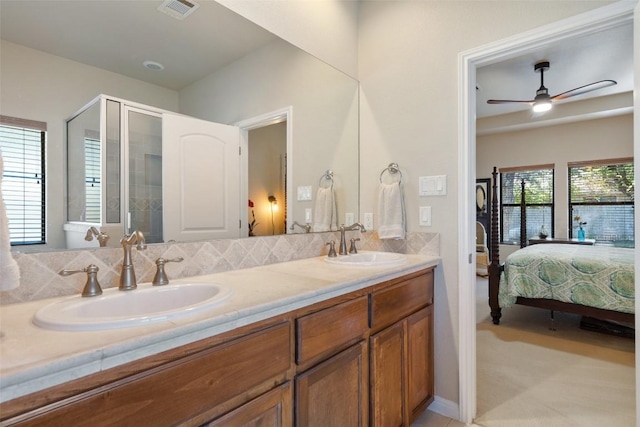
541, 106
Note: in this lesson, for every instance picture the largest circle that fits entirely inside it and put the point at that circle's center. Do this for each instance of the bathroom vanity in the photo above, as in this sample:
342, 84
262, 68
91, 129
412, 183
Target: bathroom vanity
300, 343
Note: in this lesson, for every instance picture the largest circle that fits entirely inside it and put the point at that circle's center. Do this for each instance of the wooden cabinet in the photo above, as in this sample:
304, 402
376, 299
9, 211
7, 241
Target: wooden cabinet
335, 392
420, 380
272, 409
400, 357
388, 374
359, 359
402, 352
188, 391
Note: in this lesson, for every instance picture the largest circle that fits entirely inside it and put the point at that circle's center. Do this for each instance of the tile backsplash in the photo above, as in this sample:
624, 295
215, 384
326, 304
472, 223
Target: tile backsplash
39, 277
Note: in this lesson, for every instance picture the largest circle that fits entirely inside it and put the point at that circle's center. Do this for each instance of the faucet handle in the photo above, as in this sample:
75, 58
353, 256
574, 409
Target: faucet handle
92, 287
332, 249
161, 277
103, 238
352, 248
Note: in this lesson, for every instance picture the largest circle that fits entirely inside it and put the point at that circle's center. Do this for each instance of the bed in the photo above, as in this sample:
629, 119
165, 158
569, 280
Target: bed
592, 281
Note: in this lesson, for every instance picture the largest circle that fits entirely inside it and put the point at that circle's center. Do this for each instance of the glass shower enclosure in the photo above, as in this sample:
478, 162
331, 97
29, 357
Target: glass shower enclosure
114, 171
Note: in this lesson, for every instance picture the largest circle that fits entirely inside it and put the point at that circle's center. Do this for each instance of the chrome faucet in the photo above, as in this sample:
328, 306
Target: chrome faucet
128, 275
306, 228
92, 286
343, 241
100, 236
161, 277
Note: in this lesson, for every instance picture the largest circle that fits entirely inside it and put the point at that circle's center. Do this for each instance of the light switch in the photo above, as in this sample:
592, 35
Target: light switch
348, 218
425, 216
432, 185
307, 215
304, 192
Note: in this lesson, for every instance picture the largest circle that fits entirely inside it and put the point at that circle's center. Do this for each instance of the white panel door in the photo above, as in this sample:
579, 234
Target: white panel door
201, 179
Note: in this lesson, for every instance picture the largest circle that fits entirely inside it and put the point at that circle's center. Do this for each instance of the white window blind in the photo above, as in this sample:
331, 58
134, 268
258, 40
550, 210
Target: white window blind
92, 179
22, 143
539, 198
602, 195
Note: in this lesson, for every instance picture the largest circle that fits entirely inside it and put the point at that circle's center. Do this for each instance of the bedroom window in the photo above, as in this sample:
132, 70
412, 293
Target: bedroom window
601, 193
539, 199
22, 143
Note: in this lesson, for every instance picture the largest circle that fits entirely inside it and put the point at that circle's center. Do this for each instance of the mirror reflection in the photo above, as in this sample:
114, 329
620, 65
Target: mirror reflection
47, 78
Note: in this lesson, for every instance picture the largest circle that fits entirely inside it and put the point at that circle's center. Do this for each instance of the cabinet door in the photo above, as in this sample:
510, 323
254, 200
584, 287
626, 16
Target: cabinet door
388, 376
420, 361
335, 392
272, 409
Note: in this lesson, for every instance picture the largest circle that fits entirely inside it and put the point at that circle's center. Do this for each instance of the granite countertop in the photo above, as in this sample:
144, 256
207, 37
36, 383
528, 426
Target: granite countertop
32, 358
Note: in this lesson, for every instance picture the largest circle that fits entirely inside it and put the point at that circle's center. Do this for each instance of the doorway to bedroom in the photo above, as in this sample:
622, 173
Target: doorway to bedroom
492, 399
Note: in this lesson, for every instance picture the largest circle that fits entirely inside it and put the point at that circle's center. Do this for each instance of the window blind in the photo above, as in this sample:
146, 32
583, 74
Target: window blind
601, 193
22, 143
539, 198
92, 179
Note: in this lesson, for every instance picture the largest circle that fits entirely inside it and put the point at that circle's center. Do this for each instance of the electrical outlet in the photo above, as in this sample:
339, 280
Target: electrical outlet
368, 221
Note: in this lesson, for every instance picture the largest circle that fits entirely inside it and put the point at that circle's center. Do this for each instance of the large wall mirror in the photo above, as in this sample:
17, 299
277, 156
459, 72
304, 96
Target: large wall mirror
56, 56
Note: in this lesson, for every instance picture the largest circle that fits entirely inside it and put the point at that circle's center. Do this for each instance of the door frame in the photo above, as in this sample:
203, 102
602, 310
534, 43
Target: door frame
266, 119
468, 61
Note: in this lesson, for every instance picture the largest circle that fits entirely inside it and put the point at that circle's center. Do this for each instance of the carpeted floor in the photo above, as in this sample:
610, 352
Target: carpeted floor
529, 375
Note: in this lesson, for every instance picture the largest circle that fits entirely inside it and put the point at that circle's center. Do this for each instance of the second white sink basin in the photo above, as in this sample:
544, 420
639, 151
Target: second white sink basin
119, 309
369, 259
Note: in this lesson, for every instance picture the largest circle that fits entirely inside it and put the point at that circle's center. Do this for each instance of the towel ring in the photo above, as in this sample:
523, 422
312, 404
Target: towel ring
392, 169
327, 178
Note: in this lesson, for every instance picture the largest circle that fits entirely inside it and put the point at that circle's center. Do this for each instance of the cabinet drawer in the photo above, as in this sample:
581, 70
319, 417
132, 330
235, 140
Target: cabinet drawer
180, 390
398, 301
328, 331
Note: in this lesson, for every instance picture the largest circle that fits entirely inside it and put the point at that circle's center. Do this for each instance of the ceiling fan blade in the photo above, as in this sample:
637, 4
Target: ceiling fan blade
583, 89
506, 101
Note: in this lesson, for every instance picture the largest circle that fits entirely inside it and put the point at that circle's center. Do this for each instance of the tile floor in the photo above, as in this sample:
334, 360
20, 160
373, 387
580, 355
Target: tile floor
432, 419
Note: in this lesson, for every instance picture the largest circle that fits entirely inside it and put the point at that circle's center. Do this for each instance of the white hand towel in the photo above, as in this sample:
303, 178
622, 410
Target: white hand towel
9, 271
391, 216
323, 215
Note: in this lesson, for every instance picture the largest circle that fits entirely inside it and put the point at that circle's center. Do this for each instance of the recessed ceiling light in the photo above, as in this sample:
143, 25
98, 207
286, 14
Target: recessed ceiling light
152, 65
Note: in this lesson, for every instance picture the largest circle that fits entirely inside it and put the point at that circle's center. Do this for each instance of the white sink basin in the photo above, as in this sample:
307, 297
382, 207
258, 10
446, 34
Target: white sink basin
369, 259
119, 309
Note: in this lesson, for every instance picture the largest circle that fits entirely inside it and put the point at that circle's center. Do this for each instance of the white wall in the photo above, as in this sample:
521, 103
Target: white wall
327, 29
408, 71
39, 86
607, 138
325, 114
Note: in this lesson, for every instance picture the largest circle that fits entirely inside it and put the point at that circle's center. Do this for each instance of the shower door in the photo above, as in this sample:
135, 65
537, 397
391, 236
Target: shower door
143, 182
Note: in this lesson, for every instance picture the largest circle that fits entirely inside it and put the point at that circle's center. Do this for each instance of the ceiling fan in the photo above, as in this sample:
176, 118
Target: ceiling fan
542, 101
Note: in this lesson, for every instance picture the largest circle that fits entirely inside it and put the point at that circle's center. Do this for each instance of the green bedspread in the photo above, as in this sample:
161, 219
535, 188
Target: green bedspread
596, 276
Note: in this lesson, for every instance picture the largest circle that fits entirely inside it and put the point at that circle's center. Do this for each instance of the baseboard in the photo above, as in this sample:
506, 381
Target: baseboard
445, 407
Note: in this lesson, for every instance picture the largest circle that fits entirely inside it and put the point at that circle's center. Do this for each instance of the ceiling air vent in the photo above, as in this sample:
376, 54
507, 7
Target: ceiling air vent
178, 9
